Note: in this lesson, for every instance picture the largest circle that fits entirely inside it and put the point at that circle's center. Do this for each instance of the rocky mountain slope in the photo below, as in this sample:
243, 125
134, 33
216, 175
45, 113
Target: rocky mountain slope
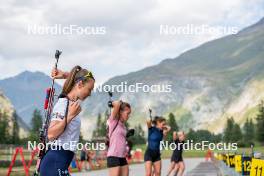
8, 108
218, 79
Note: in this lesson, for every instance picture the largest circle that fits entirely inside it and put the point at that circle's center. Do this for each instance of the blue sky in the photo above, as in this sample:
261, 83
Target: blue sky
132, 38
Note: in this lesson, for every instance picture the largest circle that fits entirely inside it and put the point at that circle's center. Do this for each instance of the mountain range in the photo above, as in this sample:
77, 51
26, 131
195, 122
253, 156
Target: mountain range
216, 80
27, 92
209, 83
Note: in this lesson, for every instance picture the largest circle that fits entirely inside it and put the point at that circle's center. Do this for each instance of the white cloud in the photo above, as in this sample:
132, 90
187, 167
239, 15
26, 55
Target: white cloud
132, 39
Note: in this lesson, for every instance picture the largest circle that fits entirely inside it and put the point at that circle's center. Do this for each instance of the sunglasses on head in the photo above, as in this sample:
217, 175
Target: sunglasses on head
85, 77
89, 75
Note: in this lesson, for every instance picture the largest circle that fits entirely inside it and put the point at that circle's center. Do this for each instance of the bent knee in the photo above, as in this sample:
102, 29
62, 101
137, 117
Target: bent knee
148, 174
176, 167
157, 173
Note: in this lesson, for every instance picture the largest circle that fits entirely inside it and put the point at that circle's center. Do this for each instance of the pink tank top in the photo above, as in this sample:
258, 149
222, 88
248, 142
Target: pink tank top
117, 145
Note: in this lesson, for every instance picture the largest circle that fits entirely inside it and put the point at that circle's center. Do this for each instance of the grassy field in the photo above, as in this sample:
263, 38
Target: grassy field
197, 153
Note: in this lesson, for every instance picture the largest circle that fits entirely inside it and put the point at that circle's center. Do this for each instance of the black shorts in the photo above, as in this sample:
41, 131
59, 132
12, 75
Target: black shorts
176, 157
113, 161
82, 158
152, 155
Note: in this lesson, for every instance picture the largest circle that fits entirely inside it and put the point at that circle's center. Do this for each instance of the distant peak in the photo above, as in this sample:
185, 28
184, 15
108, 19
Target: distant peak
260, 22
28, 74
257, 26
25, 73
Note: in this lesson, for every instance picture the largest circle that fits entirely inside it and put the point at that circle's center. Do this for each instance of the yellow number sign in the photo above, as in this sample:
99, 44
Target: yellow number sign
224, 158
257, 168
230, 160
238, 163
246, 165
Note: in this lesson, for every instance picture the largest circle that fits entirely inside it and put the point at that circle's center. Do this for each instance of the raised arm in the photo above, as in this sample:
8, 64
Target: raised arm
149, 123
166, 129
116, 108
175, 136
59, 74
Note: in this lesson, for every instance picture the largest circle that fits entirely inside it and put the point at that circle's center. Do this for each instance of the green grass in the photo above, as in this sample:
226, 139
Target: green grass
167, 153
201, 153
248, 150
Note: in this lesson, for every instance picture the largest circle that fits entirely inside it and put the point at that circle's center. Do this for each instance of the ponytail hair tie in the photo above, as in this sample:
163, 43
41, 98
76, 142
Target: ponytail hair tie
79, 68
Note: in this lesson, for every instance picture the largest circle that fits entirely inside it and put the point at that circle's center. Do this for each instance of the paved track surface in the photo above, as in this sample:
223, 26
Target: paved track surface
205, 169
139, 170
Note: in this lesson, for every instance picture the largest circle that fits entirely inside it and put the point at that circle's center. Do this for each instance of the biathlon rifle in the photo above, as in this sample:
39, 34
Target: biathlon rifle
150, 114
110, 106
110, 102
48, 107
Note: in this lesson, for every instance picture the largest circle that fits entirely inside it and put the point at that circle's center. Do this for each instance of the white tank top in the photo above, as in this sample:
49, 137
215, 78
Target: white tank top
70, 137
